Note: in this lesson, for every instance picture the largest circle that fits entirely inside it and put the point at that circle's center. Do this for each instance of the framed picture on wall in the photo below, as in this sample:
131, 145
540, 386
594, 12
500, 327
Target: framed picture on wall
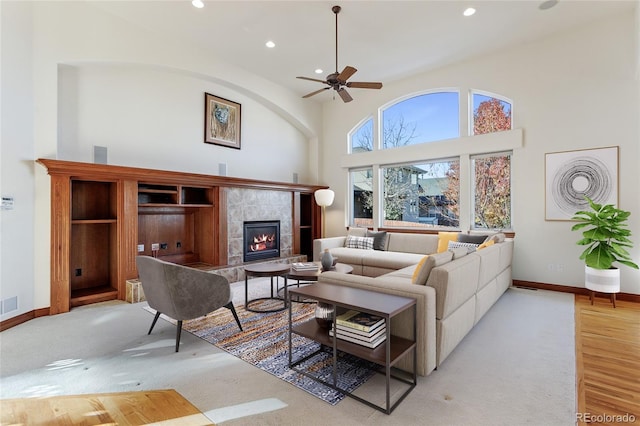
221, 121
570, 176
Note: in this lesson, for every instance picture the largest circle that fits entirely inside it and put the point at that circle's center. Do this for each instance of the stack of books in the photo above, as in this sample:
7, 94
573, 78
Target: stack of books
361, 328
304, 266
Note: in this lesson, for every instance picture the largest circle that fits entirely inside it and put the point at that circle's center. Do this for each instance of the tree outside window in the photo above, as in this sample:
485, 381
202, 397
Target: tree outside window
414, 195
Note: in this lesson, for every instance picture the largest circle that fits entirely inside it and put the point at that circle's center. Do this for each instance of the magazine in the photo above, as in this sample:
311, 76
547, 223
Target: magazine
375, 343
304, 266
359, 320
361, 335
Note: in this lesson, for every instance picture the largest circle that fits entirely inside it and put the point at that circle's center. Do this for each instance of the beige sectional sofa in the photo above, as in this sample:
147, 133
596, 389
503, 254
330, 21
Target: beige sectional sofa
459, 286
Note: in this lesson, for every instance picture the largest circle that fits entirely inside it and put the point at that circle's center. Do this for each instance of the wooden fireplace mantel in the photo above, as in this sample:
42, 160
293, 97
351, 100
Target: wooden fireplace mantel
101, 213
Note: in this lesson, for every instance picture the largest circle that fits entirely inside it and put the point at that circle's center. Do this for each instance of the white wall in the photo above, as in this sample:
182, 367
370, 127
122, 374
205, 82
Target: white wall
16, 158
574, 90
74, 76
153, 117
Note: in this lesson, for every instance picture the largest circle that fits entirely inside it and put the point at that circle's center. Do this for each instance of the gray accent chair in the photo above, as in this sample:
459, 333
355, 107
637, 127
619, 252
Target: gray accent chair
182, 293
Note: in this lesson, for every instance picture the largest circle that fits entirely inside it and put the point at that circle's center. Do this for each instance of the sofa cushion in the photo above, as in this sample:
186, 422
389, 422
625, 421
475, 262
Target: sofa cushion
359, 242
348, 255
357, 232
472, 238
389, 259
412, 243
422, 271
380, 239
444, 238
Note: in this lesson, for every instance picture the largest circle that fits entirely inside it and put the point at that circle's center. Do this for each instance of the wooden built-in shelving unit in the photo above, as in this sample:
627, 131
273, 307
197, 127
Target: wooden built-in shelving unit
102, 214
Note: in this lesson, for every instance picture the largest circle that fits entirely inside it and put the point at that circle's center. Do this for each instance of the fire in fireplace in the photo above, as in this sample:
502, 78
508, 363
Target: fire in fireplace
261, 240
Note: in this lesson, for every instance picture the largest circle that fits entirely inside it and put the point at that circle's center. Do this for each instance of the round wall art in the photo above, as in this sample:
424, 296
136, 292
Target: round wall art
573, 175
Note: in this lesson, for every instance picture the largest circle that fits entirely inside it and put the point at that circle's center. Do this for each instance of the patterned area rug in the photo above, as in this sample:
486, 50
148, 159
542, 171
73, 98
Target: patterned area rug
264, 343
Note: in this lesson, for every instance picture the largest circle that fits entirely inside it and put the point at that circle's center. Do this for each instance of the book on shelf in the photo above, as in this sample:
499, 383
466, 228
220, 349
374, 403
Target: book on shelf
304, 266
359, 320
372, 344
361, 335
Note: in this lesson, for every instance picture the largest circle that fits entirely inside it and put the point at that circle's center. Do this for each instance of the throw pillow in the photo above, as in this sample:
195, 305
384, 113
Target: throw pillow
497, 237
444, 238
357, 232
421, 273
379, 239
472, 238
359, 242
486, 244
469, 246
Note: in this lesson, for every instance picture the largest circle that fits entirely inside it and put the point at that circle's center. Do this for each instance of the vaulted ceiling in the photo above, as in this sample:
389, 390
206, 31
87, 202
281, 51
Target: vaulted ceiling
384, 40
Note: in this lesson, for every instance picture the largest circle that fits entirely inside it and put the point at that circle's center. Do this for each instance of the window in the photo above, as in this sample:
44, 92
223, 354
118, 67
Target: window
492, 191
411, 189
362, 197
362, 137
420, 119
423, 195
490, 114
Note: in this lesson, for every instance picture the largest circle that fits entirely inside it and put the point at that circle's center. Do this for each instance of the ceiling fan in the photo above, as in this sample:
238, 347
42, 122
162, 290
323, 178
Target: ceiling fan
338, 81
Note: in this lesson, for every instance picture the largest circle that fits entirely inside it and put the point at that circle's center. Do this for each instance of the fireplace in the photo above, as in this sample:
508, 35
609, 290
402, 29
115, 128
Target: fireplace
261, 240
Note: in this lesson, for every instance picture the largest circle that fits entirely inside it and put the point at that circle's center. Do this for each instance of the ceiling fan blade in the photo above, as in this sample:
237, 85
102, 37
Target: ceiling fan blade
346, 97
316, 92
364, 85
346, 73
312, 79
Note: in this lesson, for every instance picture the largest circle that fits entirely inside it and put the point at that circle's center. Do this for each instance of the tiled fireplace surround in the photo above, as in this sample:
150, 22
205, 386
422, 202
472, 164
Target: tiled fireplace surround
251, 205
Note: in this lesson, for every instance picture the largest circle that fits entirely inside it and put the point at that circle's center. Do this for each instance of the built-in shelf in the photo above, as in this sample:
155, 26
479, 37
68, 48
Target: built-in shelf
102, 213
92, 221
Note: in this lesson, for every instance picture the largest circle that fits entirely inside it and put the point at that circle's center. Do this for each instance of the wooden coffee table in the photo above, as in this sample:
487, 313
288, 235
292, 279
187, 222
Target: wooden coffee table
386, 354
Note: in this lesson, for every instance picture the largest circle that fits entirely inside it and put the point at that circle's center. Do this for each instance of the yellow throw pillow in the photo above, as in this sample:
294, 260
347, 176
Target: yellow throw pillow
486, 244
444, 238
421, 269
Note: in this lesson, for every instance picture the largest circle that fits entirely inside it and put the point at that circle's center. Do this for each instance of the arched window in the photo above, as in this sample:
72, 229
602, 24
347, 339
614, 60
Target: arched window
419, 119
412, 189
361, 138
490, 113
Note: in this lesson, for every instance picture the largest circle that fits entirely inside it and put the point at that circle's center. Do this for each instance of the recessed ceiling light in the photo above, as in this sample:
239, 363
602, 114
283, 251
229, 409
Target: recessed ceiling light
469, 11
318, 71
270, 44
547, 4
197, 3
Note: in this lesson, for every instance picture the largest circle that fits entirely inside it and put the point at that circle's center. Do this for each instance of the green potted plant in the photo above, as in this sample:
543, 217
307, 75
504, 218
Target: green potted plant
607, 238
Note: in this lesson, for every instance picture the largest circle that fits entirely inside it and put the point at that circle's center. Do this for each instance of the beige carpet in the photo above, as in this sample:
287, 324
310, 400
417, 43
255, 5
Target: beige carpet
516, 367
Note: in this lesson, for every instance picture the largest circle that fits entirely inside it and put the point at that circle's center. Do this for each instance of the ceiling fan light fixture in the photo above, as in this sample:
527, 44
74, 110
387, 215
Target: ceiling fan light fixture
338, 80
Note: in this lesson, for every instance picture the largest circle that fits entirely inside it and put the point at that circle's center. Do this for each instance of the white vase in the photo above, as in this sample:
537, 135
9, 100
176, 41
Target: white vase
602, 280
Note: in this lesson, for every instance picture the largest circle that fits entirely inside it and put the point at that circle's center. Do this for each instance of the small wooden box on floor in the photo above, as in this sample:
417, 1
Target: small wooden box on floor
135, 293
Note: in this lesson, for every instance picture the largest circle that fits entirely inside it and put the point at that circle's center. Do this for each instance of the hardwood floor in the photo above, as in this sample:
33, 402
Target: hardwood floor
166, 407
607, 361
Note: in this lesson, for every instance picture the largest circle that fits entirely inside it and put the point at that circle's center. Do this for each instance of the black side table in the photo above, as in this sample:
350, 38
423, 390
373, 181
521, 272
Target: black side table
270, 270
